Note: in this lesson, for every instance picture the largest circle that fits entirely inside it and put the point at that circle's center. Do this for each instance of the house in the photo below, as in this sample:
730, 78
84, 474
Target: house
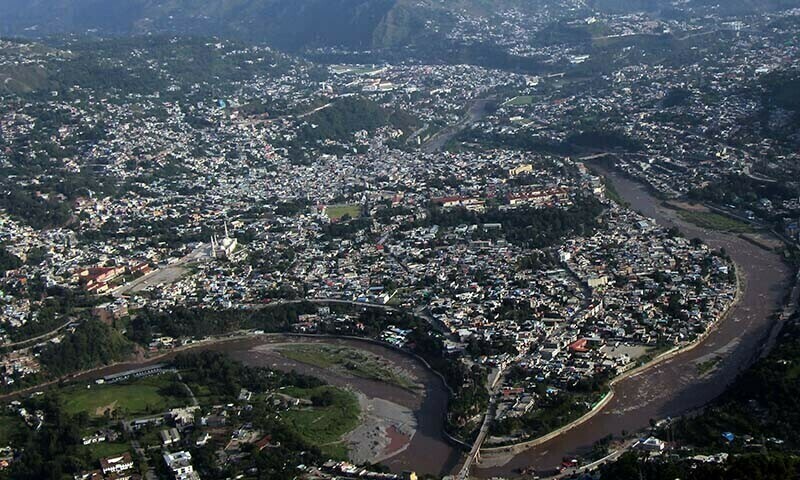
116, 464
170, 436
519, 170
98, 437
652, 444
180, 463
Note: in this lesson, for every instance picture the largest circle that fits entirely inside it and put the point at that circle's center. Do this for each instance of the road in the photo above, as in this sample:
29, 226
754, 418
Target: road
674, 386
488, 418
206, 342
33, 340
472, 456
570, 472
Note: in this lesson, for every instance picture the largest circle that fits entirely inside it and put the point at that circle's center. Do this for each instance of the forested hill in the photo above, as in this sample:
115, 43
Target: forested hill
286, 24
307, 24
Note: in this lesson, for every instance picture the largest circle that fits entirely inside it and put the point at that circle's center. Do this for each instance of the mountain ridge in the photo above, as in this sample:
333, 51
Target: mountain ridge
296, 25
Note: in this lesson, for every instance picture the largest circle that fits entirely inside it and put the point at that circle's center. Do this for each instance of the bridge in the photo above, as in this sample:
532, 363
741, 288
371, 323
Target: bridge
474, 455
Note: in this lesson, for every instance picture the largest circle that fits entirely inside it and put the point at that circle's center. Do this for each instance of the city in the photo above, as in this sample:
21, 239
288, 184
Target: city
227, 259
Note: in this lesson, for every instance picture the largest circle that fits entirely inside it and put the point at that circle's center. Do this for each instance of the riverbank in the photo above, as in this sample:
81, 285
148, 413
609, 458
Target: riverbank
505, 450
672, 386
414, 424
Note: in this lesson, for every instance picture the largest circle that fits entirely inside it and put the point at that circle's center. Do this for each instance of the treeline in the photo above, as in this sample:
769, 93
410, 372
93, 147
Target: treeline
202, 322
36, 211
604, 140
50, 204
780, 89
91, 345
107, 65
223, 376
763, 402
58, 304
528, 226
54, 451
593, 139
676, 97
741, 190
753, 466
352, 114
8, 261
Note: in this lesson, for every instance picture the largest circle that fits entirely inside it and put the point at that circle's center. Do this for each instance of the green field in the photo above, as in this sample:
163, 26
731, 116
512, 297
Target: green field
139, 397
336, 212
612, 193
348, 360
105, 449
324, 426
520, 101
715, 221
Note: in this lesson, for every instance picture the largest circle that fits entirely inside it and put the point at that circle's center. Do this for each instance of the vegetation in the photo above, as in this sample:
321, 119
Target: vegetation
750, 466
528, 226
359, 363
467, 383
53, 451
763, 402
93, 344
594, 140
139, 397
223, 377
36, 211
107, 449
742, 191
715, 221
57, 307
334, 412
11, 427
708, 365
676, 97
520, 101
348, 115
555, 408
343, 212
202, 322
612, 193
8, 261
780, 89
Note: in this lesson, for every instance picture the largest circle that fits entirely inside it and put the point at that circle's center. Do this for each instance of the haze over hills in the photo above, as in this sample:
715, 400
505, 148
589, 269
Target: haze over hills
304, 24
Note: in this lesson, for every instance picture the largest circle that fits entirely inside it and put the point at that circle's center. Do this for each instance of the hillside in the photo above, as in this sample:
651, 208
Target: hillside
285, 24
308, 24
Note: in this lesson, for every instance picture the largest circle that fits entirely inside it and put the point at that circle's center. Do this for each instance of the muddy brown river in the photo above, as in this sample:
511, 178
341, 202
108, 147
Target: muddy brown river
429, 452
671, 388
675, 387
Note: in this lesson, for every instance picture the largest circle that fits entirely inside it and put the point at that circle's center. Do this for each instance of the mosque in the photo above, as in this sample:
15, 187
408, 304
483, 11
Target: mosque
225, 247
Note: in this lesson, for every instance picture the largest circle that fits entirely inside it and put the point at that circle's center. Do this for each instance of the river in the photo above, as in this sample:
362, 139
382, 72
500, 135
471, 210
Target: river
429, 452
476, 111
674, 386
670, 388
